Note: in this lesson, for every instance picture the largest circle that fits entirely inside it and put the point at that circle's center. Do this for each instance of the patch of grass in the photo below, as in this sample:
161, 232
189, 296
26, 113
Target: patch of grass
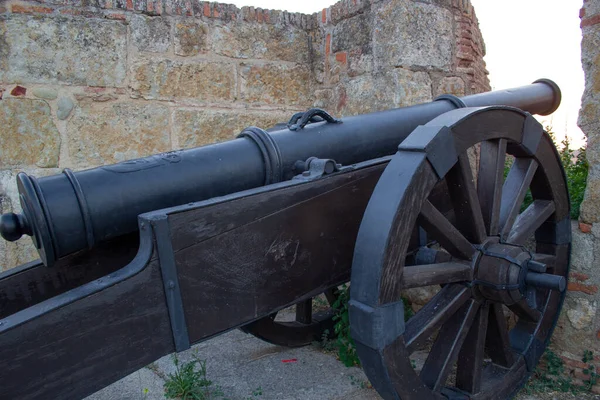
189, 381
343, 341
551, 376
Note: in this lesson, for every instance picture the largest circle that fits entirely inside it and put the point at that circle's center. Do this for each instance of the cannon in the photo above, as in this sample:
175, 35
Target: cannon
149, 256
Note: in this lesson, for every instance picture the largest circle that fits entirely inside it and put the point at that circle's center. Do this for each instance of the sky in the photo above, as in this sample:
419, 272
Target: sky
525, 40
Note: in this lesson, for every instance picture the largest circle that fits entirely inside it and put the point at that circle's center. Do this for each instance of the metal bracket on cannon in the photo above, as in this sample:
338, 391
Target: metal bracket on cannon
314, 168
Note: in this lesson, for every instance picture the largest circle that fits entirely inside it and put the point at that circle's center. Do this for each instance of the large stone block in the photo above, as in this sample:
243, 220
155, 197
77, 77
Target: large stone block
269, 42
395, 88
190, 38
353, 33
78, 51
205, 81
407, 34
200, 127
152, 34
106, 134
276, 84
28, 135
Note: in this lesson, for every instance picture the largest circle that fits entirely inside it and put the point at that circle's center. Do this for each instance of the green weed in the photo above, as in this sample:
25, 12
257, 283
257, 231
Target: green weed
189, 381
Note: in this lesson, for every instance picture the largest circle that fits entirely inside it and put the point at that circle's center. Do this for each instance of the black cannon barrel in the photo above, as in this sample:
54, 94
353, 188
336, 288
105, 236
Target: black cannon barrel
73, 211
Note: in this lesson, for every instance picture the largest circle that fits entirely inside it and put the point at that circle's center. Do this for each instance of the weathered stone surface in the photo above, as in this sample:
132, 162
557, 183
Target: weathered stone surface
152, 34
582, 251
83, 51
395, 88
45, 93
451, 85
28, 134
199, 127
410, 34
581, 313
105, 134
269, 42
276, 84
65, 105
589, 115
206, 81
190, 38
353, 33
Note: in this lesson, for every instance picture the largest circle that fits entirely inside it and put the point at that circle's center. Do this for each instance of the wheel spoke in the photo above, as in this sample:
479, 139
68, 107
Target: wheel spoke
461, 187
497, 341
514, 190
444, 232
548, 260
523, 310
530, 220
426, 255
434, 314
489, 182
435, 274
470, 358
444, 352
304, 311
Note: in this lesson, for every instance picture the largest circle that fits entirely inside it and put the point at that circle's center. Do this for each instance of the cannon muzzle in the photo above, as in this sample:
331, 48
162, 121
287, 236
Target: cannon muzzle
73, 211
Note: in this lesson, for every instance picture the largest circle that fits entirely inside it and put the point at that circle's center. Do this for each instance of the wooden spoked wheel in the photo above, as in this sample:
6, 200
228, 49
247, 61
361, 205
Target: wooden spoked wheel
311, 323
488, 275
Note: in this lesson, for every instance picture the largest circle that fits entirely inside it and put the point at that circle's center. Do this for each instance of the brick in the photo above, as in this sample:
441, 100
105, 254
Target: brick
581, 12
342, 57
206, 10
129, 5
585, 228
328, 45
26, 9
579, 276
580, 287
18, 91
593, 20
324, 15
573, 363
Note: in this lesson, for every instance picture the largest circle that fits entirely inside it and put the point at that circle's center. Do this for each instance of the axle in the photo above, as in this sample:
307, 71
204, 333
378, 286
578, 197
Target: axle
73, 211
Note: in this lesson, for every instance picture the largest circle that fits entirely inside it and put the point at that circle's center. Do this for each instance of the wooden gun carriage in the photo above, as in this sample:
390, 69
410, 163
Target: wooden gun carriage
146, 257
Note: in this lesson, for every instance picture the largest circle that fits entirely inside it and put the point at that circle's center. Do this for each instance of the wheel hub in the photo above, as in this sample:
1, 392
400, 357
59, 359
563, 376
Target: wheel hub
507, 273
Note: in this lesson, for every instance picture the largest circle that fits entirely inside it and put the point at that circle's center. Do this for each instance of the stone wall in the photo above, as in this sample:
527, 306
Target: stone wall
578, 328
91, 82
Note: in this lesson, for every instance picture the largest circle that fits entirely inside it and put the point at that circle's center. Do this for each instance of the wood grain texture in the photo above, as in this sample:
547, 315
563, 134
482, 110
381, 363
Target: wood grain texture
38, 283
445, 349
438, 226
436, 274
461, 186
490, 179
84, 346
253, 267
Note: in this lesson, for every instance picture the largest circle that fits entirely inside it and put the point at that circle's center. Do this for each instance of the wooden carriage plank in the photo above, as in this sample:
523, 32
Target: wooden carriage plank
23, 288
262, 265
79, 348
